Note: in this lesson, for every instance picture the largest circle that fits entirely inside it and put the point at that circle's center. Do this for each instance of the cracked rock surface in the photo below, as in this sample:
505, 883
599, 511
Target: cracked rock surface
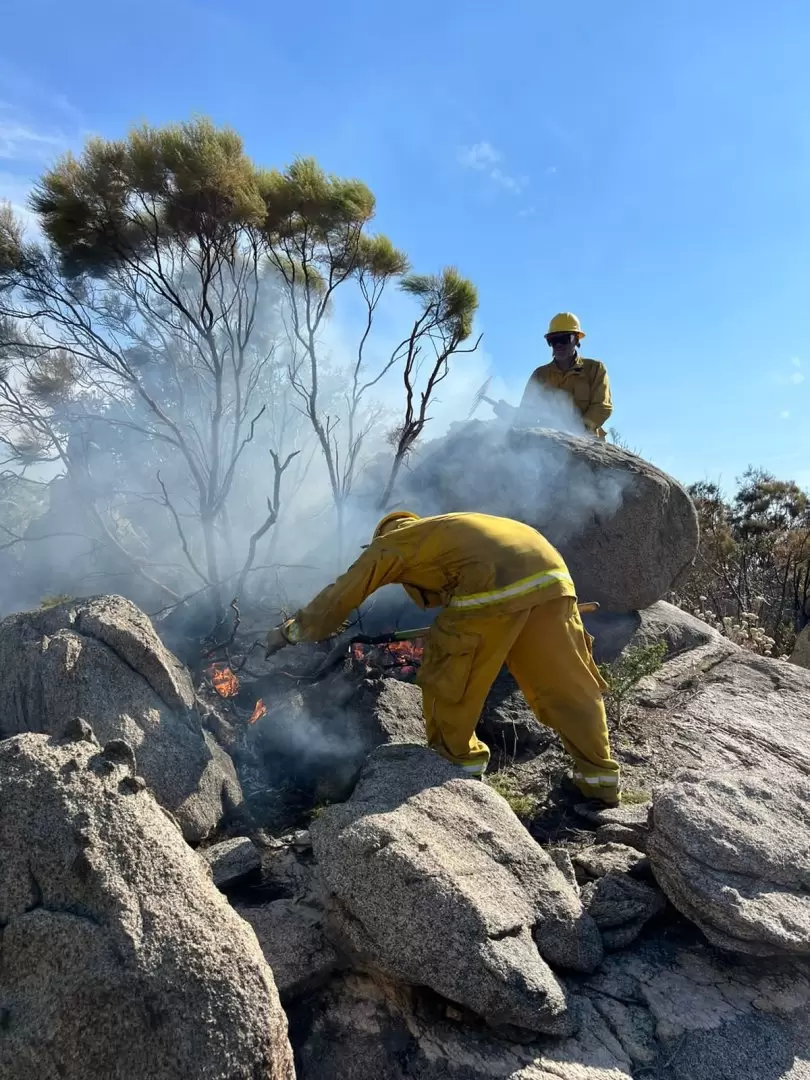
667, 1010
432, 880
118, 957
101, 659
732, 852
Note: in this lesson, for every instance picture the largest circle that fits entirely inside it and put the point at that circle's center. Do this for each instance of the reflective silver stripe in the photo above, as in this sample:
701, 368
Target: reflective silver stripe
476, 770
520, 588
611, 780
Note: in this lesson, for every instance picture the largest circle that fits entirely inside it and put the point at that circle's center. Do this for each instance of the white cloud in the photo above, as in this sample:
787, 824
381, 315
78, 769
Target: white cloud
483, 157
785, 414
480, 155
795, 378
20, 142
31, 137
530, 211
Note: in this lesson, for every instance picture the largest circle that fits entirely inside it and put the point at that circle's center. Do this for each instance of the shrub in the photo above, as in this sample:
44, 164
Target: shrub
506, 785
626, 672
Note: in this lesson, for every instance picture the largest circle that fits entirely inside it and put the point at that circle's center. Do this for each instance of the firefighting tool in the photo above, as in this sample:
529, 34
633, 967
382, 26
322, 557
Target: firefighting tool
480, 396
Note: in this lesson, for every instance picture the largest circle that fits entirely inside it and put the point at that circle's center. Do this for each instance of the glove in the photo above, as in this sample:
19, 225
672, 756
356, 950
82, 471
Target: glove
503, 410
275, 641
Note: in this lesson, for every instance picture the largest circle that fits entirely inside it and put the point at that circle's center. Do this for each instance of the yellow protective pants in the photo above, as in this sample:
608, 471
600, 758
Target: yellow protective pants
549, 655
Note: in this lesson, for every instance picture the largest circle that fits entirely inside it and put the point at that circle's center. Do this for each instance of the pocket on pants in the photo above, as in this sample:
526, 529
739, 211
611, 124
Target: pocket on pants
447, 663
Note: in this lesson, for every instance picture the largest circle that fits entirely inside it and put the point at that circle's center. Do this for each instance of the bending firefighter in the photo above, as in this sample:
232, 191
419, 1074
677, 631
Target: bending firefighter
507, 597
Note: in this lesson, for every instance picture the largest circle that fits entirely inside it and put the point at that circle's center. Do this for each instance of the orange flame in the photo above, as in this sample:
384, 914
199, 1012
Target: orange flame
259, 710
225, 682
398, 658
408, 652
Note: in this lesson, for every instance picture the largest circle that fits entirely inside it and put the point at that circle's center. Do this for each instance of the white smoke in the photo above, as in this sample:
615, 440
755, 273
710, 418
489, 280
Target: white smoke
301, 551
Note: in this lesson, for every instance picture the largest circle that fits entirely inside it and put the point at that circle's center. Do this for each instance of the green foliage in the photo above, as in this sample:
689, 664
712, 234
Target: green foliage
52, 376
314, 226
452, 298
752, 576
304, 197
637, 798
626, 672
11, 239
173, 318
506, 785
129, 198
54, 601
377, 257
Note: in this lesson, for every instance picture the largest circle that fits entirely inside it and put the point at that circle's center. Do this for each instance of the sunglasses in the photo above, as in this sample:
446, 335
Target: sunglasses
559, 339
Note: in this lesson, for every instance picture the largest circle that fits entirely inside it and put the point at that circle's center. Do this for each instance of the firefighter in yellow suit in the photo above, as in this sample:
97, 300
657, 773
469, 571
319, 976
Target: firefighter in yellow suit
507, 597
584, 380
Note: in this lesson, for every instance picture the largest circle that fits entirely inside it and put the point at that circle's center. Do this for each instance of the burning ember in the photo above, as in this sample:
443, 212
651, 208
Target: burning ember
224, 681
400, 659
259, 710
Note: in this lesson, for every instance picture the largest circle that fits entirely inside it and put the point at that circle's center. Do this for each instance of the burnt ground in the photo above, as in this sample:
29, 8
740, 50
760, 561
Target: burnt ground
290, 764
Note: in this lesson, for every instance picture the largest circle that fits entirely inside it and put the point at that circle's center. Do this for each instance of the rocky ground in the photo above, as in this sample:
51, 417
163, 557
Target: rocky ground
411, 926
186, 894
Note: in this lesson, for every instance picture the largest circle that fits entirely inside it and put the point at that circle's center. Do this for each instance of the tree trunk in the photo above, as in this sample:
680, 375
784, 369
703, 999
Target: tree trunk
212, 563
396, 465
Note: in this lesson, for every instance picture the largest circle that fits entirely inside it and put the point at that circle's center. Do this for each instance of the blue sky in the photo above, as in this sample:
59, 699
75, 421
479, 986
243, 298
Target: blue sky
644, 165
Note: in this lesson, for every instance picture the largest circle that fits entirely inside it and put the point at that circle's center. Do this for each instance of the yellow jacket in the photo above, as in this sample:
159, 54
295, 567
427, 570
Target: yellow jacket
460, 561
586, 382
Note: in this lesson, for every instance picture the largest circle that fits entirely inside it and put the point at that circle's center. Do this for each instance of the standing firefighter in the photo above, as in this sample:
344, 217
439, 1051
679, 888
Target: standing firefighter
507, 597
584, 380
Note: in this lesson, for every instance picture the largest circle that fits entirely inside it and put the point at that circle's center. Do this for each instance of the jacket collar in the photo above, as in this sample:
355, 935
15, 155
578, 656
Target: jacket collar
575, 368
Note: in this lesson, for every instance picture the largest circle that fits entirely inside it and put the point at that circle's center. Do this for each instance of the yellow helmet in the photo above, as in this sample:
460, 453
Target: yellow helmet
390, 521
565, 323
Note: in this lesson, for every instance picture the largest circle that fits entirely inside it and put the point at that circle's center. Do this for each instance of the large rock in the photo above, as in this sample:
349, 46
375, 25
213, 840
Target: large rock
102, 660
119, 956
711, 708
433, 881
662, 622
720, 707
731, 852
627, 530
